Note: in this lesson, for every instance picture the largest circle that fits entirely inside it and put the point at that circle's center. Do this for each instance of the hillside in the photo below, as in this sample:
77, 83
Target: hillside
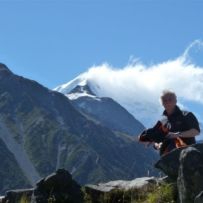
43, 131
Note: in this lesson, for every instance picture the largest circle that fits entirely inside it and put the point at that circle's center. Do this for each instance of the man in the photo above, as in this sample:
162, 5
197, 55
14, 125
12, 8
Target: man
177, 127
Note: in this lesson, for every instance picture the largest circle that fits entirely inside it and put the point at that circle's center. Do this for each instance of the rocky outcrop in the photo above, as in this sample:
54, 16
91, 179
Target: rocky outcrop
199, 198
18, 196
170, 163
190, 178
138, 183
118, 191
58, 187
185, 167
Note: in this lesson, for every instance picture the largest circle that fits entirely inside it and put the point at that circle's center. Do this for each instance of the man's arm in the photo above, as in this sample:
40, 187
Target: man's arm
193, 126
189, 133
184, 134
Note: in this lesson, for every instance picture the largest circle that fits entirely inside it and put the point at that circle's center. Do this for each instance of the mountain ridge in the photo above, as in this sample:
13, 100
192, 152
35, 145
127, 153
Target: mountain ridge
104, 110
54, 134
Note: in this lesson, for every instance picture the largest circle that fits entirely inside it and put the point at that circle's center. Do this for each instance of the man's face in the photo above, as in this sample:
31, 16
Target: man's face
169, 103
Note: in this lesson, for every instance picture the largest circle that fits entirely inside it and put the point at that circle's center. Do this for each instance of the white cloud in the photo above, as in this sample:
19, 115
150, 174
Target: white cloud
137, 83
146, 83
137, 87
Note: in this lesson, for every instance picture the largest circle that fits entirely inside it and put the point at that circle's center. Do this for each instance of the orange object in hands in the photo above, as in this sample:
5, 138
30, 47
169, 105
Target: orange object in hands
179, 142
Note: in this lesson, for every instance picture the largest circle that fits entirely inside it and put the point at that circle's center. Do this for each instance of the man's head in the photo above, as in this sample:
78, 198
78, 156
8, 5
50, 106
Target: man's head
169, 100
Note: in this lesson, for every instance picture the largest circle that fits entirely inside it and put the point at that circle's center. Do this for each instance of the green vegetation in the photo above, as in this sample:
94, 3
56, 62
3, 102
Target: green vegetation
164, 193
25, 199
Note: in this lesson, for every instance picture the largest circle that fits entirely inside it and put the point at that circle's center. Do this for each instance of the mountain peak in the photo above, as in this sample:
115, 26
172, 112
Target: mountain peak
68, 87
82, 89
78, 87
4, 68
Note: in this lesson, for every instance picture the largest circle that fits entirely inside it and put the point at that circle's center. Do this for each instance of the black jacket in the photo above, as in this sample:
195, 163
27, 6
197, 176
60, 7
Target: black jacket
181, 121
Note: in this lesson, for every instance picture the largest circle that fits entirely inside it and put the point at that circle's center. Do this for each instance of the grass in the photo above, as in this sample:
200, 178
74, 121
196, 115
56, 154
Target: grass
162, 193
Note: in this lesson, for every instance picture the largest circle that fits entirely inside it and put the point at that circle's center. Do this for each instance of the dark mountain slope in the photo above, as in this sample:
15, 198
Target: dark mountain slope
44, 132
104, 110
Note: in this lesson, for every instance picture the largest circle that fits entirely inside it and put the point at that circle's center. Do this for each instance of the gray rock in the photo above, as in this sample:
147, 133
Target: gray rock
138, 183
59, 187
115, 191
170, 162
184, 166
21, 195
199, 198
1, 199
190, 179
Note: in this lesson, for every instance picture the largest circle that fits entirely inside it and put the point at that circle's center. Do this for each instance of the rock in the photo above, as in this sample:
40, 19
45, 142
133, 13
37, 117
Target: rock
138, 183
190, 179
116, 189
58, 187
185, 166
170, 162
22, 195
199, 198
1, 198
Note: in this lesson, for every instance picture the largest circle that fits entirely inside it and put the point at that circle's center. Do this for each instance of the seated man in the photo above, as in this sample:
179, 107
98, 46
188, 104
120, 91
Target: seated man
178, 128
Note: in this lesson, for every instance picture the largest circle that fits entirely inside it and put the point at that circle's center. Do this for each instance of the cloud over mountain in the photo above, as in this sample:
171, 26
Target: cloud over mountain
137, 83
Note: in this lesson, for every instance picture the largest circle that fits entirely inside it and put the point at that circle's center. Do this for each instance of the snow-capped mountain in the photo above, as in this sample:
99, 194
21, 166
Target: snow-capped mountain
103, 110
145, 112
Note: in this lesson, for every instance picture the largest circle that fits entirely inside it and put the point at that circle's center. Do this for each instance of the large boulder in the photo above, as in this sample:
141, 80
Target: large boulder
184, 166
199, 198
58, 187
190, 179
169, 163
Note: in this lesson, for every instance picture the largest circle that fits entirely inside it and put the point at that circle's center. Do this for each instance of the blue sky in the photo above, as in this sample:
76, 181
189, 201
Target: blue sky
54, 41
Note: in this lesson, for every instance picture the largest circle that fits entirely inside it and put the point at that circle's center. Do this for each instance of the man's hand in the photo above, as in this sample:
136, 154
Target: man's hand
157, 146
172, 135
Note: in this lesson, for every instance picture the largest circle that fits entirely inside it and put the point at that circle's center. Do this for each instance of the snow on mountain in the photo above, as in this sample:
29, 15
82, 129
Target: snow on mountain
40, 131
80, 82
86, 97
104, 111
146, 111
66, 88
137, 89
140, 110
82, 90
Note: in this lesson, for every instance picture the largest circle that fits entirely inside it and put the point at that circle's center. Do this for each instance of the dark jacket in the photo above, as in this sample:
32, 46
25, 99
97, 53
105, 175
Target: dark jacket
181, 121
